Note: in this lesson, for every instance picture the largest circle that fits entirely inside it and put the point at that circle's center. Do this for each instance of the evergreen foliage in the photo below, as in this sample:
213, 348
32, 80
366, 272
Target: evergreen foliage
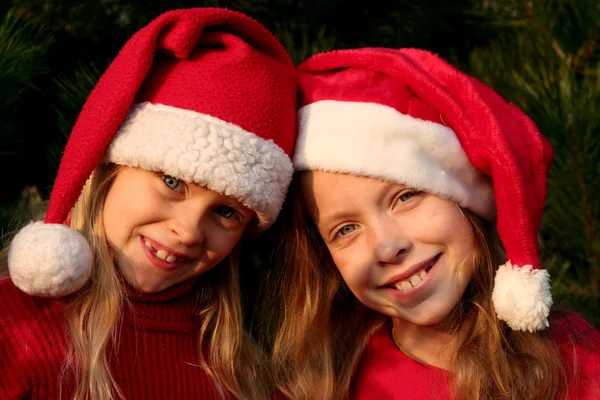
545, 60
24, 47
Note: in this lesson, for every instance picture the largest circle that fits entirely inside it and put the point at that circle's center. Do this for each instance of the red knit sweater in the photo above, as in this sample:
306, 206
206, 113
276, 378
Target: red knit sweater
156, 357
387, 373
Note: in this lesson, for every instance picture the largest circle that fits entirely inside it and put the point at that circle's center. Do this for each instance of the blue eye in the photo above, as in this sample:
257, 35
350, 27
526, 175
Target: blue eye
406, 196
225, 212
347, 229
172, 183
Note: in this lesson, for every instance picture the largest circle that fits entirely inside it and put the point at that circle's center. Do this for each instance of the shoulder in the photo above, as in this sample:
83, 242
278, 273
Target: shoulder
18, 307
579, 345
32, 338
24, 317
13, 300
28, 322
568, 328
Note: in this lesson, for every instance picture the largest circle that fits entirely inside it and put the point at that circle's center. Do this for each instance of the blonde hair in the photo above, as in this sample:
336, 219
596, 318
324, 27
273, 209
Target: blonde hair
226, 353
317, 330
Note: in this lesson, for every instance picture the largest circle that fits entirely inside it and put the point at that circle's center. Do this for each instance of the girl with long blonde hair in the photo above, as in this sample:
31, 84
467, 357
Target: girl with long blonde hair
129, 288
391, 280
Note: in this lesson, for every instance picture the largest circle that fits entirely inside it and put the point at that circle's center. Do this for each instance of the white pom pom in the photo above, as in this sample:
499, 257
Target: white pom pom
522, 297
49, 260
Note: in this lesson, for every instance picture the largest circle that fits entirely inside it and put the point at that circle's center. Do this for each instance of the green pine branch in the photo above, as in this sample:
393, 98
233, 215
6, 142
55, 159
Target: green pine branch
545, 60
302, 41
71, 93
24, 46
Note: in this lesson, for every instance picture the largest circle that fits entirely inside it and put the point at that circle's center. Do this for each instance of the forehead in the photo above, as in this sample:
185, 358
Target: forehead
323, 181
328, 189
196, 189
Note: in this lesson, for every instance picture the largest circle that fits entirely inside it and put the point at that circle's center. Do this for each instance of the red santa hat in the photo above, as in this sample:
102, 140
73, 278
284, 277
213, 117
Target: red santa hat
410, 117
206, 95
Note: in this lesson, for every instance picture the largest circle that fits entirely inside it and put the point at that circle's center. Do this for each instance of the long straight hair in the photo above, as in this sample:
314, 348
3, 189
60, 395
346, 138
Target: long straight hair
490, 360
316, 330
226, 353
312, 325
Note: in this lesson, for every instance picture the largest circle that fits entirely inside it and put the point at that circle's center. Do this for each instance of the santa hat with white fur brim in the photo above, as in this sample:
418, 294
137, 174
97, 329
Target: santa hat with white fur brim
206, 95
410, 117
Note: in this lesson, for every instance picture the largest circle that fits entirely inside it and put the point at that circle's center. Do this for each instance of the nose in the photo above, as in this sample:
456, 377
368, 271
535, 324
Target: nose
389, 243
189, 225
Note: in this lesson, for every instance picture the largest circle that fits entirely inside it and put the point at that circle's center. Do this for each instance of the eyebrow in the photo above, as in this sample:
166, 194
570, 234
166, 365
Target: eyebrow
335, 216
235, 203
380, 193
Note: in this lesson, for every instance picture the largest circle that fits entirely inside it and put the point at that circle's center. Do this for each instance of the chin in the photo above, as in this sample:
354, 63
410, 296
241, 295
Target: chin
429, 319
148, 287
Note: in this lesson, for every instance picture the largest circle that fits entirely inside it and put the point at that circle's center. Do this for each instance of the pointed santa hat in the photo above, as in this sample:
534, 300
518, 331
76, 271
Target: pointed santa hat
410, 117
206, 95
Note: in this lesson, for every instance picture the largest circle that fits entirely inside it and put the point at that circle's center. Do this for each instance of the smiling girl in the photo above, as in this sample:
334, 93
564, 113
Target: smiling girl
129, 287
392, 281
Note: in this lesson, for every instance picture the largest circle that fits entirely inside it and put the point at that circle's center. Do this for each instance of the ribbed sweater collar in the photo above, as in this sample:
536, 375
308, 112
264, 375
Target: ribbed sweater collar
173, 309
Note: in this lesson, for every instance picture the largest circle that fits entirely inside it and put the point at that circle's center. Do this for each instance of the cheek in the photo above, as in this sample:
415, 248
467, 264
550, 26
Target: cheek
221, 245
112, 214
444, 224
122, 214
467, 268
462, 243
354, 269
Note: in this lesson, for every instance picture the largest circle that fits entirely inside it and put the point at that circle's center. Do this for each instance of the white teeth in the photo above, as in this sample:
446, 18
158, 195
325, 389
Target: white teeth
415, 280
162, 254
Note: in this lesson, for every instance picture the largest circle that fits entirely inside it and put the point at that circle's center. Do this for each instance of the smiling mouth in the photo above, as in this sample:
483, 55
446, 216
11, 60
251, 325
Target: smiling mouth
415, 279
163, 254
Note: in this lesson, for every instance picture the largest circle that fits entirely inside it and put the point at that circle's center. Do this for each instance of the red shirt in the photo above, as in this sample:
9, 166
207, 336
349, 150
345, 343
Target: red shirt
157, 355
387, 373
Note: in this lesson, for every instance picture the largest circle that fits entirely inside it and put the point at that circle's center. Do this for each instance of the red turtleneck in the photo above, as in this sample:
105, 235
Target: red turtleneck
385, 372
156, 357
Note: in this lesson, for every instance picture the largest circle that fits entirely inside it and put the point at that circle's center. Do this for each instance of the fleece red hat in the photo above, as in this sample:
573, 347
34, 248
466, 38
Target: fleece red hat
410, 117
206, 95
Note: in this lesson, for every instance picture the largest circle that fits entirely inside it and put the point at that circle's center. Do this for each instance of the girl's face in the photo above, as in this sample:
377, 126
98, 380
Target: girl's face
404, 253
163, 231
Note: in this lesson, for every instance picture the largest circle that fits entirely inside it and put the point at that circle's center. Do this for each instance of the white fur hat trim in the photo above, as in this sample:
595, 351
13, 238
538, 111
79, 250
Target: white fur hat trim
49, 260
371, 139
521, 297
